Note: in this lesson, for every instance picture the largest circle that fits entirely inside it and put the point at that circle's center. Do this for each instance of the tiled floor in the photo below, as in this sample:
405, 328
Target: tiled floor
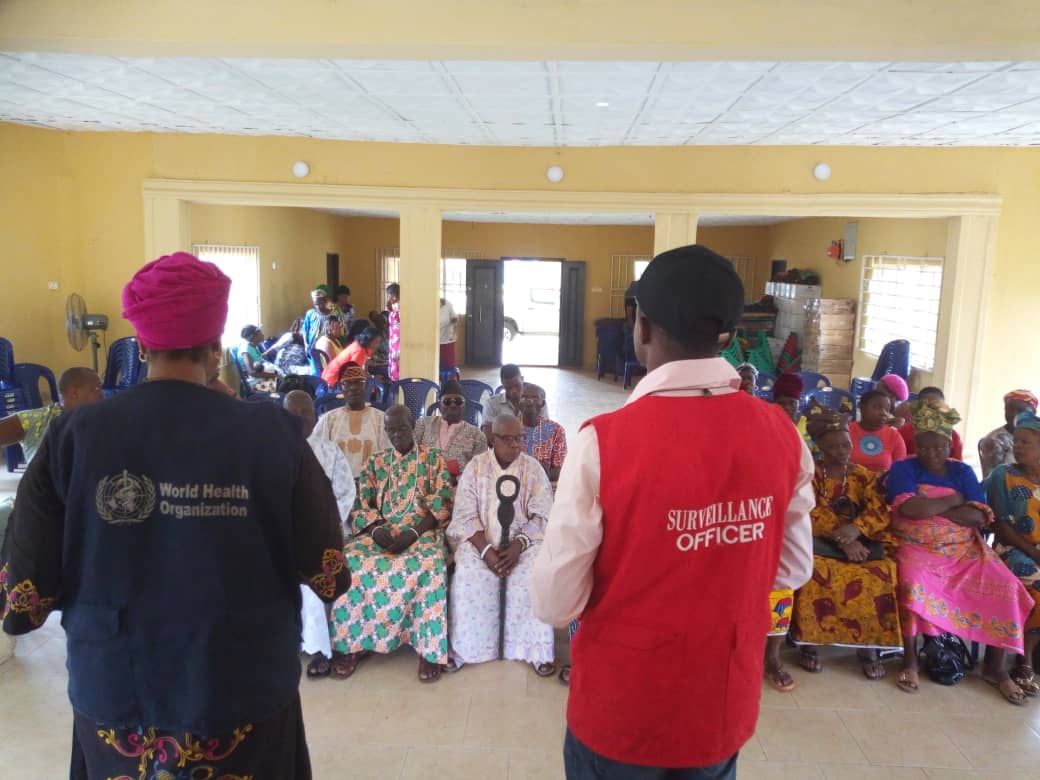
500, 722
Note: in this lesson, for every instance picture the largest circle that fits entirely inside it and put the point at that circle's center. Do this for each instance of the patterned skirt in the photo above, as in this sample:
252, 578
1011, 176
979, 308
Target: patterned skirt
849, 604
394, 600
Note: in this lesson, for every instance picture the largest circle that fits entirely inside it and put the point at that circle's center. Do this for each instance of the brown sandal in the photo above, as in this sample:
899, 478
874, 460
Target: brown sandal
345, 664
780, 679
810, 661
1009, 690
544, 670
908, 681
1025, 678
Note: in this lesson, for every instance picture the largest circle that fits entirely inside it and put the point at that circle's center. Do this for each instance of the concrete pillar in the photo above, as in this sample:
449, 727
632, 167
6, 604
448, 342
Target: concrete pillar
420, 291
674, 229
167, 226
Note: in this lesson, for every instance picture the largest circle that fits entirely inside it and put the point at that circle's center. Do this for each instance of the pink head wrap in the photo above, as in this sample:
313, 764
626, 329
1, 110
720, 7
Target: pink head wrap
177, 302
897, 385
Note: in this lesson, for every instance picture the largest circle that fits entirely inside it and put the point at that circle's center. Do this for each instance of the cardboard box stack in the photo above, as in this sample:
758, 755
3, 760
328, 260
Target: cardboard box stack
830, 336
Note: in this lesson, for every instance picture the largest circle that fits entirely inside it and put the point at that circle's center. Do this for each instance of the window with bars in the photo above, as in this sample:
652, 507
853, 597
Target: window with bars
624, 269
899, 299
242, 265
453, 275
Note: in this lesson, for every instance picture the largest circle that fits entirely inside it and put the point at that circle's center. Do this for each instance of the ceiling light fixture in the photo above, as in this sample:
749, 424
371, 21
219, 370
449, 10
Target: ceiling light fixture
602, 104
300, 169
822, 172
554, 174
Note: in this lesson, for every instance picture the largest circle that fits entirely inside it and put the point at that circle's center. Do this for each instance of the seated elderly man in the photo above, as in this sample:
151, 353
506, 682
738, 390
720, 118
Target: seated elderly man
481, 564
315, 612
398, 594
508, 401
357, 428
544, 440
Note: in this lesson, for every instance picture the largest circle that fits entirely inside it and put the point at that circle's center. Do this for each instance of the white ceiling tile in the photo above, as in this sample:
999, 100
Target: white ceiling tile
533, 103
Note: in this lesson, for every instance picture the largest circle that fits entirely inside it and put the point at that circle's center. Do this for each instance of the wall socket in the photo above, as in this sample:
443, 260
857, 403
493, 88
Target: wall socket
52, 285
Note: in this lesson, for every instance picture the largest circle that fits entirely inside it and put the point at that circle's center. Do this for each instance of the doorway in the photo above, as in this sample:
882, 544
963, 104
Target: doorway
531, 311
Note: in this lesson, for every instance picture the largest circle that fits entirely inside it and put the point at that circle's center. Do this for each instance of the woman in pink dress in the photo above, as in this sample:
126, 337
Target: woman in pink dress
950, 580
393, 303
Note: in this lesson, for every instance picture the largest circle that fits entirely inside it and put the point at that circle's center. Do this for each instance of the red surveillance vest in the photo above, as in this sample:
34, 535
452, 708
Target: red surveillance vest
668, 659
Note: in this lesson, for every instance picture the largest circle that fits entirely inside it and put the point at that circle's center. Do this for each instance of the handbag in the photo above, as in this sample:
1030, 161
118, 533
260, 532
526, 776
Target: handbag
825, 548
946, 659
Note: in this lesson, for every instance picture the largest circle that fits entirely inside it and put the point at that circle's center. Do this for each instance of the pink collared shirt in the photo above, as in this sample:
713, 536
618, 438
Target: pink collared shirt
562, 579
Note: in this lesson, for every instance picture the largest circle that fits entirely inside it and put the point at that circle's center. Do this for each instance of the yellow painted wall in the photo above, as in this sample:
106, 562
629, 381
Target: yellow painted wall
73, 206
294, 240
803, 243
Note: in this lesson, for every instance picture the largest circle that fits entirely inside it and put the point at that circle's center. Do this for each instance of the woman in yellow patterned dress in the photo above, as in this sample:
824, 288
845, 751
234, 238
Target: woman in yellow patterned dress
851, 599
399, 589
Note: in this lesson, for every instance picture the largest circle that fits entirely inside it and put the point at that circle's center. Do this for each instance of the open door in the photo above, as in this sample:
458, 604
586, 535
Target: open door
484, 315
572, 314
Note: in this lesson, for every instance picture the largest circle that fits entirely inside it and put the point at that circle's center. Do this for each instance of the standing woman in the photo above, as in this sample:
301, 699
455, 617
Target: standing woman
176, 554
1014, 495
393, 303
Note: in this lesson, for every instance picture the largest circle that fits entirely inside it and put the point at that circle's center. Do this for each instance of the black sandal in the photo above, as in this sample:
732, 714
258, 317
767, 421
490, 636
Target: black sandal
565, 675
319, 667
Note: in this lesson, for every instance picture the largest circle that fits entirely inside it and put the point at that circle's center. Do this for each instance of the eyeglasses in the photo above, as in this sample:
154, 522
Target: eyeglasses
453, 402
509, 439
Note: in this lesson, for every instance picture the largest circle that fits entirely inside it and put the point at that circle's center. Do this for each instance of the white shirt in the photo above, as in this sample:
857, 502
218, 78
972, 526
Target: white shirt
447, 323
562, 580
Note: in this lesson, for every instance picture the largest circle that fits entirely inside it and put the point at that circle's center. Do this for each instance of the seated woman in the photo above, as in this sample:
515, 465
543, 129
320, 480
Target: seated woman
997, 446
787, 394
1014, 495
851, 599
358, 351
458, 440
931, 396
950, 580
875, 444
895, 387
329, 336
251, 361
544, 440
399, 583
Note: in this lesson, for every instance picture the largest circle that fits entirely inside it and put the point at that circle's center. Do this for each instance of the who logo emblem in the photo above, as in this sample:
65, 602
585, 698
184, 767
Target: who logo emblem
126, 498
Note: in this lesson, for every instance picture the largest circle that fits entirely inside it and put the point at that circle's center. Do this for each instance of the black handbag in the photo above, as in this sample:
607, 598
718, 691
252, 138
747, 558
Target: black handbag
825, 548
946, 659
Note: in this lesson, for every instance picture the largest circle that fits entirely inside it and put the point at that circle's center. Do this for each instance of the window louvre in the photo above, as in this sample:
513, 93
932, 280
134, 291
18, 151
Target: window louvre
624, 269
900, 299
452, 274
242, 265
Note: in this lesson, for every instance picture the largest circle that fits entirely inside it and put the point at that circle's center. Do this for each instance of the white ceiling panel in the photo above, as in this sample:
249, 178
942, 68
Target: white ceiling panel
533, 103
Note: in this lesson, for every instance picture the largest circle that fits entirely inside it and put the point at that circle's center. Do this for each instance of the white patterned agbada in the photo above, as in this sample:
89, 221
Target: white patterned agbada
474, 596
337, 469
358, 434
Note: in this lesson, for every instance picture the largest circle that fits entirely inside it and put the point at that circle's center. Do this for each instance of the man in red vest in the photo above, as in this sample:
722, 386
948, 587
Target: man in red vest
674, 518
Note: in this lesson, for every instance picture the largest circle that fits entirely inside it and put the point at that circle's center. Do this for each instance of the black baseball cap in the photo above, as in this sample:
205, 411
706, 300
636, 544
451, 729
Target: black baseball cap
691, 291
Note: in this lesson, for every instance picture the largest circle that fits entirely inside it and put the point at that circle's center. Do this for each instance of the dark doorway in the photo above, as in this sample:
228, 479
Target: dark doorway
572, 314
484, 313
332, 271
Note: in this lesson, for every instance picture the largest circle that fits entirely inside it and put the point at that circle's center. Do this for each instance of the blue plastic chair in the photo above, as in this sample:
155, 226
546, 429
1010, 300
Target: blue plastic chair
894, 359
123, 368
258, 396
474, 389
473, 414
315, 384
633, 368
28, 377
764, 386
811, 382
860, 386
832, 398
329, 402
449, 373
415, 391
378, 393
7, 379
318, 360
12, 400
610, 350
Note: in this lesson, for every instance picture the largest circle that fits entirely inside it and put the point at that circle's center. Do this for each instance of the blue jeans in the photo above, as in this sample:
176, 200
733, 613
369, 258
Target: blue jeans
583, 764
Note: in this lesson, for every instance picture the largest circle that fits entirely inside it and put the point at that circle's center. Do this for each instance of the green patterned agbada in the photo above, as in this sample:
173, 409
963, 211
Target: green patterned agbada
397, 599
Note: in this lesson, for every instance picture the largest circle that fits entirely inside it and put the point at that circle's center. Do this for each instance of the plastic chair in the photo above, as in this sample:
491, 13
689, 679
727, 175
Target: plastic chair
633, 368
244, 390
7, 379
474, 389
610, 349
473, 413
894, 359
832, 398
378, 394
123, 368
315, 384
415, 392
447, 374
811, 382
859, 387
258, 396
327, 403
28, 377
12, 400
318, 359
